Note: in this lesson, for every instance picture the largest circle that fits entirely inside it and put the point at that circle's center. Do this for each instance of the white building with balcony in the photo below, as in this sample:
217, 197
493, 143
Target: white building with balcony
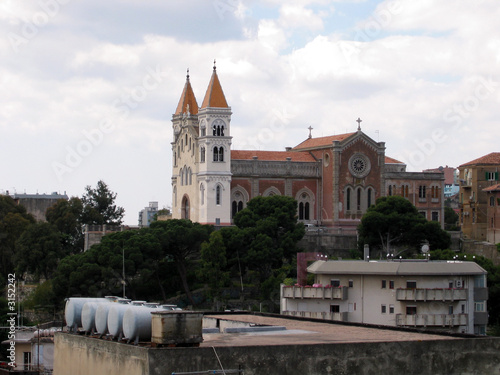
445, 295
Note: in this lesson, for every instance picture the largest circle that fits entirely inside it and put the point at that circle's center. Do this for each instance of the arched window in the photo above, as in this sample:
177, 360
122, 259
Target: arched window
202, 155
348, 199
368, 197
186, 139
358, 199
216, 154
190, 176
222, 130
237, 197
234, 209
185, 207
306, 211
221, 154
218, 130
404, 191
182, 176
301, 211
217, 195
202, 194
214, 128
390, 190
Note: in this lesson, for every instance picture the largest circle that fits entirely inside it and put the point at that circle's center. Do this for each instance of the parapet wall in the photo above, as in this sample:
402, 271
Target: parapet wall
80, 355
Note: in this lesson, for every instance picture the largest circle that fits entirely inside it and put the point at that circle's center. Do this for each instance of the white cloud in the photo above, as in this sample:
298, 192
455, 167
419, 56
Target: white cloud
415, 73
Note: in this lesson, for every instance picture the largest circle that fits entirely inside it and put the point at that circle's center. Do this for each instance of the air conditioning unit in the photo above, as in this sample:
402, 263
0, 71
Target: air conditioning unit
459, 284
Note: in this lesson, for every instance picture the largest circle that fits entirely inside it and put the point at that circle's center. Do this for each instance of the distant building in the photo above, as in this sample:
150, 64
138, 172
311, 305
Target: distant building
493, 214
93, 233
146, 215
475, 176
37, 204
451, 185
440, 295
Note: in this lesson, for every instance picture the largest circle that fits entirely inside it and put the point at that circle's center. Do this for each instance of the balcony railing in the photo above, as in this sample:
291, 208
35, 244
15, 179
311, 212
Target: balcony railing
431, 320
337, 316
439, 294
301, 292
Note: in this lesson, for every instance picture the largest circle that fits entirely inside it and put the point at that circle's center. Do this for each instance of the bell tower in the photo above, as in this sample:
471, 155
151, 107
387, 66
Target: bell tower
214, 142
184, 155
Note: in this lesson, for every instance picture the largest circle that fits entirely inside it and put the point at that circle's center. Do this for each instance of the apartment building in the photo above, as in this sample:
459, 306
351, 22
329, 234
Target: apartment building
475, 176
442, 295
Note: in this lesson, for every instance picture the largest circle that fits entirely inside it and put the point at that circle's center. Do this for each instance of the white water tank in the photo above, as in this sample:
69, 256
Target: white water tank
137, 323
102, 312
73, 310
88, 315
115, 318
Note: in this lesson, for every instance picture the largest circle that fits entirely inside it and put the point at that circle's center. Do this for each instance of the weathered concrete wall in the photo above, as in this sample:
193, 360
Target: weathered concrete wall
469, 356
79, 355
83, 355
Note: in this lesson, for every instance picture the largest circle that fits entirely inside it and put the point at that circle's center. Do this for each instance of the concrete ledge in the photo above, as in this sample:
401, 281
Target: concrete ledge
254, 329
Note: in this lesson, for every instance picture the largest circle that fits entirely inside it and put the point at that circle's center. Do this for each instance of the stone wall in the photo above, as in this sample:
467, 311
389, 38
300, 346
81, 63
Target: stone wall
79, 355
484, 249
338, 245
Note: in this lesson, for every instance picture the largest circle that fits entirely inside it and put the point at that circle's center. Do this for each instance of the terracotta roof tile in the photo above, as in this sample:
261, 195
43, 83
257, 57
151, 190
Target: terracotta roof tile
493, 188
321, 141
214, 97
492, 158
187, 98
271, 155
389, 160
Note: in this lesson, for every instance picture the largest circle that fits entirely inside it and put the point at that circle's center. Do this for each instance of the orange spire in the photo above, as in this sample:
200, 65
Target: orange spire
187, 103
214, 96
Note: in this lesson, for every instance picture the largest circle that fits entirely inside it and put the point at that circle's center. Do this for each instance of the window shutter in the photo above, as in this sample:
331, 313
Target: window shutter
496, 176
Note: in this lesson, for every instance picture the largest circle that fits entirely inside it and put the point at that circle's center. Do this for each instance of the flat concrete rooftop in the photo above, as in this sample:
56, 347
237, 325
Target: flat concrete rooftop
304, 332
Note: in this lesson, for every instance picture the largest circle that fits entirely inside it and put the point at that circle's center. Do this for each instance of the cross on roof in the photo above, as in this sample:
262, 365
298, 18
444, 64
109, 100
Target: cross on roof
359, 123
310, 128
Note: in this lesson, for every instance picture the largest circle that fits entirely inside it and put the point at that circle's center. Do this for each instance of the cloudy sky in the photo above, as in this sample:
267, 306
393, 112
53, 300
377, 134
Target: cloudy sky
88, 88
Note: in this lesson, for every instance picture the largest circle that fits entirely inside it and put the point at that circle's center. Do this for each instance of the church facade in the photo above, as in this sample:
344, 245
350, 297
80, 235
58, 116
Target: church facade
334, 179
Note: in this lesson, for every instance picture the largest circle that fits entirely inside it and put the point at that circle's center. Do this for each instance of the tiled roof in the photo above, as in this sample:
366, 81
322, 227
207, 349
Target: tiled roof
214, 97
493, 188
321, 141
187, 98
492, 158
389, 160
271, 155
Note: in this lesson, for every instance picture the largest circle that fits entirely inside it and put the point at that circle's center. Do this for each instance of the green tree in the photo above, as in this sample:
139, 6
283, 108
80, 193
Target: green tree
181, 241
99, 271
450, 218
99, 206
39, 250
213, 263
268, 233
393, 222
13, 222
66, 216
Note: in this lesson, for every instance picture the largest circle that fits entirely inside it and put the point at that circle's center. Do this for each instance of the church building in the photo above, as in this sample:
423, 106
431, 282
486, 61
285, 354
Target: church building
334, 179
